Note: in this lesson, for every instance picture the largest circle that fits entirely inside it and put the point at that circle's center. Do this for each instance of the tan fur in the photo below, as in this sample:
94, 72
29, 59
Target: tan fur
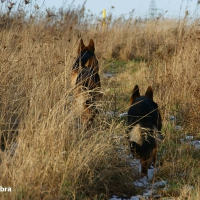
135, 135
135, 94
154, 155
74, 76
149, 93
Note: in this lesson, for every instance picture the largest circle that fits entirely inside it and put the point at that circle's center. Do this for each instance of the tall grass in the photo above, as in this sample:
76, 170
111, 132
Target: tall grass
55, 158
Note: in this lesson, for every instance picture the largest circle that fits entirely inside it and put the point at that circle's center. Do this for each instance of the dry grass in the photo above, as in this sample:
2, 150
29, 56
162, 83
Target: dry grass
55, 158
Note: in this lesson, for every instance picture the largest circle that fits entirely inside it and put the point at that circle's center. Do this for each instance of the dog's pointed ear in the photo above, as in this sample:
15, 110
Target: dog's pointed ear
149, 93
81, 46
135, 94
91, 45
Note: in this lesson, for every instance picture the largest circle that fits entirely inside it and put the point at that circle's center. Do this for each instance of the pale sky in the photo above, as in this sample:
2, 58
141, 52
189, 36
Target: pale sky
172, 8
169, 8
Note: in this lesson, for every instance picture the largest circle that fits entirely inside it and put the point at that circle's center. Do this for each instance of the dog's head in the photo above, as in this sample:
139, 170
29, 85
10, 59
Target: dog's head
86, 57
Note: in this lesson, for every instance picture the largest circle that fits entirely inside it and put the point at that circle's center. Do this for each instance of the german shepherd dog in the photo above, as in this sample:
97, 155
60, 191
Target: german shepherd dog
144, 122
85, 78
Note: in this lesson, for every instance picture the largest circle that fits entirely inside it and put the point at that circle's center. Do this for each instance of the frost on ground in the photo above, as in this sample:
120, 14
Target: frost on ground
150, 187
145, 183
149, 192
189, 140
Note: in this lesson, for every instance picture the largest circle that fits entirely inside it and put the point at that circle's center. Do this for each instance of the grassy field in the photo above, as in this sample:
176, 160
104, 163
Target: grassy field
55, 158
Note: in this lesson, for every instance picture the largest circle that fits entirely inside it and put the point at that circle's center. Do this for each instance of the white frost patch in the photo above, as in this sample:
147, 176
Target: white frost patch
112, 114
172, 118
178, 128
151, 173
195, 143
114, 197
142, 182
189, 140
159, 184
123, 114
149, 192
135, 163
134, 198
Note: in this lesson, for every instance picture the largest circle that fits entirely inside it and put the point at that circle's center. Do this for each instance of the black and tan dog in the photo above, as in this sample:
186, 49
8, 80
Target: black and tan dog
144, 122
85, 78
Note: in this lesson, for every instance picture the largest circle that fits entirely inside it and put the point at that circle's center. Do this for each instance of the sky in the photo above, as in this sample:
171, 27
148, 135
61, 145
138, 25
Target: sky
169, 8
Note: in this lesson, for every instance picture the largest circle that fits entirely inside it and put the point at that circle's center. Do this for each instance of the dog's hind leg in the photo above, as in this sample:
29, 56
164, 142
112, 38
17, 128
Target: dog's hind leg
145, 163
154, 156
